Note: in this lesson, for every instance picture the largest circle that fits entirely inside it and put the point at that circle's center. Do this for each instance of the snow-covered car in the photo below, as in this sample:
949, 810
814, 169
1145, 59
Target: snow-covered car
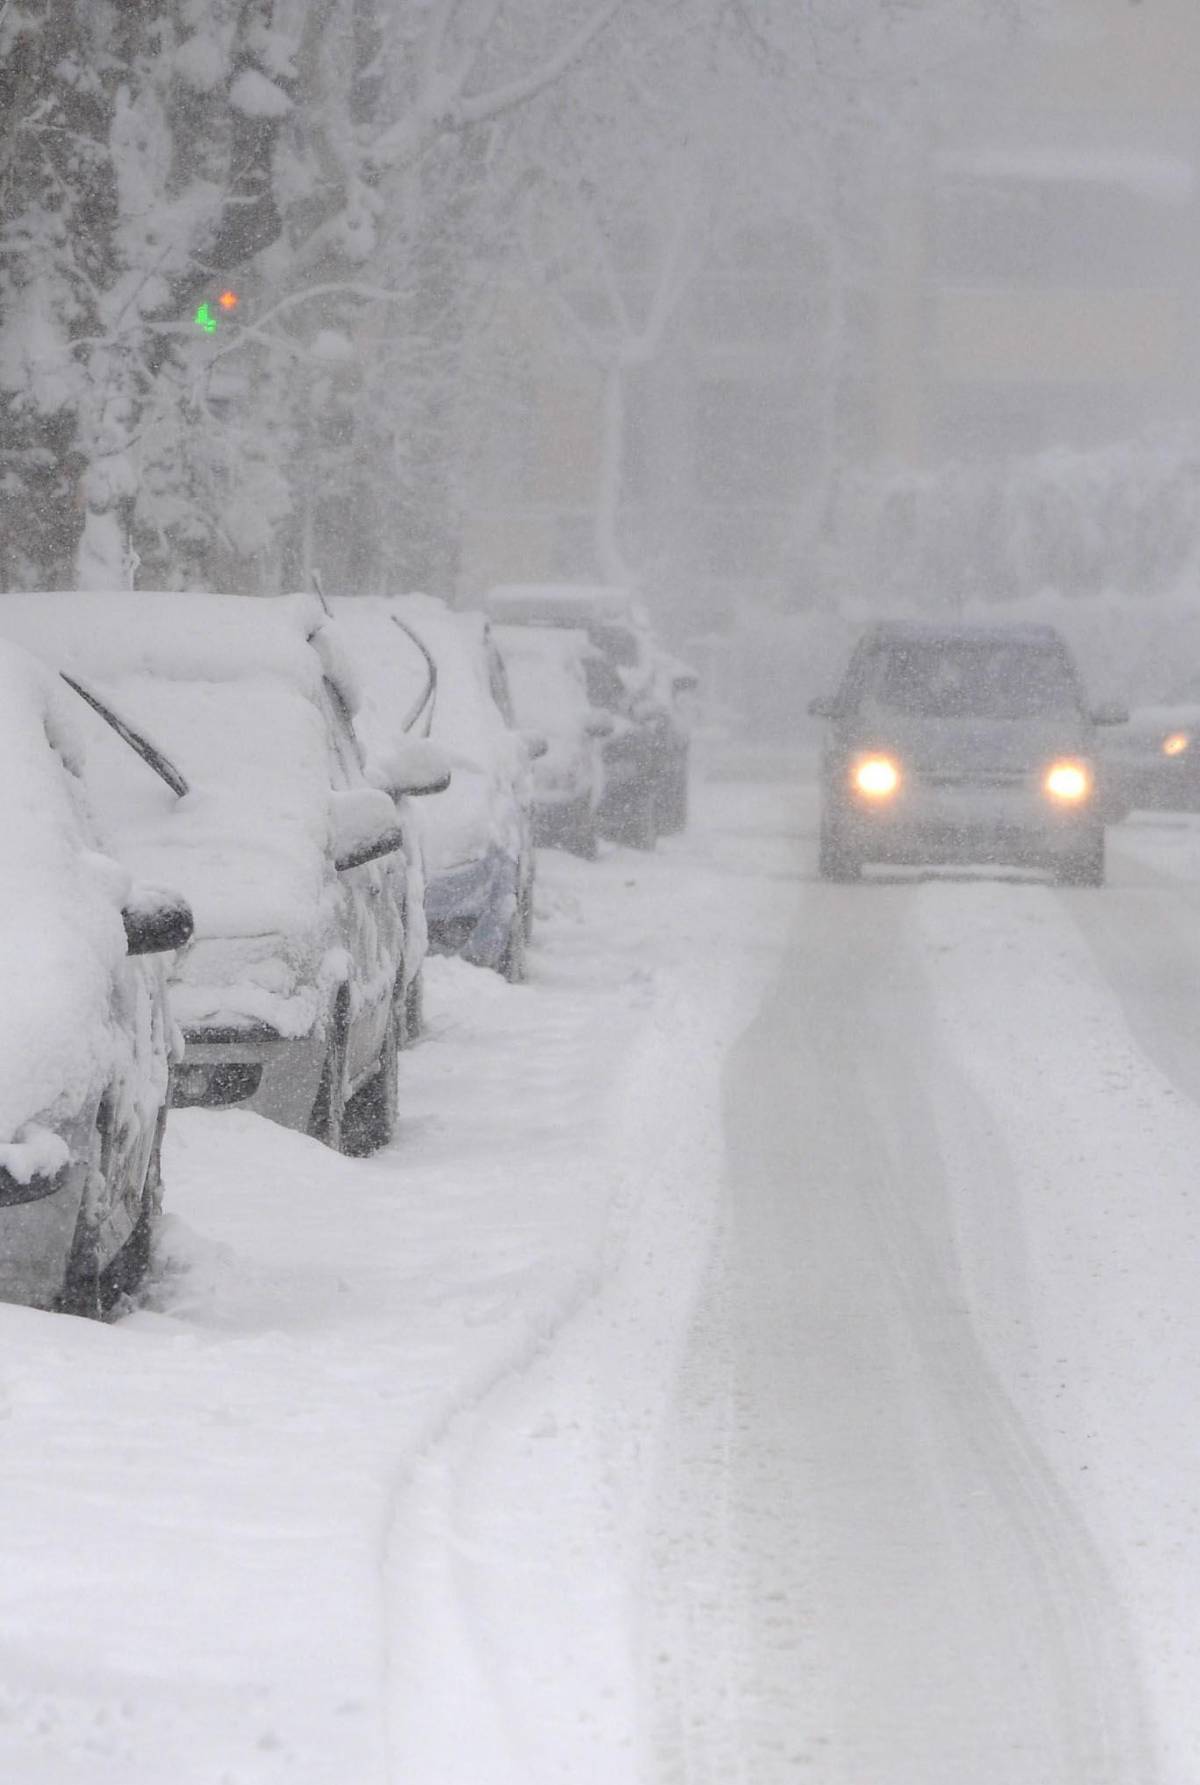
85, 1061
953, 743
430, 672
1153, 760
646, 783
292, 994
547, 678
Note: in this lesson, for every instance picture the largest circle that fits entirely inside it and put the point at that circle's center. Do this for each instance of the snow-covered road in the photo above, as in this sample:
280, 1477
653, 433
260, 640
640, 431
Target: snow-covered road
930, 1509
769, 1352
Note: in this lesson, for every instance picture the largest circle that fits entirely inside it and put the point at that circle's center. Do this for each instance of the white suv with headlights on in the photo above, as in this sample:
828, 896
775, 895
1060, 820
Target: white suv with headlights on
957, 743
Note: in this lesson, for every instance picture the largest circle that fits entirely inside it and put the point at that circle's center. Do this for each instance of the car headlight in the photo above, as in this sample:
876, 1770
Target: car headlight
1070, 783
875, 777
1176, 744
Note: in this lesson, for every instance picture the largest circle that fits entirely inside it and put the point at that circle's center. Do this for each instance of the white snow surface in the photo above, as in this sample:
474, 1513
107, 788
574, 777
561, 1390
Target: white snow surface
768, 1350
267, 1526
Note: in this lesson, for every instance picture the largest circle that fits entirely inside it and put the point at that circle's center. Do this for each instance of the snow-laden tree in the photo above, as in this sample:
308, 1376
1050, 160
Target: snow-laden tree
136, 173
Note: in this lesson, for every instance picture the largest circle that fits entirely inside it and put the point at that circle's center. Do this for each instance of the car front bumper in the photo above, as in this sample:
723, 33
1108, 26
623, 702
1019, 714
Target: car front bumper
966, 823
251, 1066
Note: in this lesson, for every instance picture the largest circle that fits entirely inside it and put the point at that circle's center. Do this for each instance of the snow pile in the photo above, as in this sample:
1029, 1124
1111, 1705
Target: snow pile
479, 811
371, 1470
61, 936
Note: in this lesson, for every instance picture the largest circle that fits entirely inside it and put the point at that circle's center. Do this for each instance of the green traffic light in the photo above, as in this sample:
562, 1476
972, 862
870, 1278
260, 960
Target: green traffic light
206, 320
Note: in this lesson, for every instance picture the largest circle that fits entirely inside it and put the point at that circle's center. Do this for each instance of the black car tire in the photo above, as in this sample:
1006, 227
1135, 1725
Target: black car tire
1086, 867
673, 799
414, 1009
834, 860
512, 962
327, 1122
372, 1113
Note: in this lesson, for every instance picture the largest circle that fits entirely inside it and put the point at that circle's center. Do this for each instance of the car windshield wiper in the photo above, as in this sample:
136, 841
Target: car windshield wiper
427, 700
150, 754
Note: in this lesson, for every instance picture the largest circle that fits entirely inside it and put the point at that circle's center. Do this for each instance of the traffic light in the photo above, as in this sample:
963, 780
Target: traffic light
208, 316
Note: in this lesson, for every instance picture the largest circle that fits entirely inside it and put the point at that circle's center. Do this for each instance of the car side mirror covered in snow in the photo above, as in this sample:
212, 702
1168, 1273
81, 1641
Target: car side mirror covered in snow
599, 725
156, 922
1110, 712
825, 706
536, 743
414, 766
364, 827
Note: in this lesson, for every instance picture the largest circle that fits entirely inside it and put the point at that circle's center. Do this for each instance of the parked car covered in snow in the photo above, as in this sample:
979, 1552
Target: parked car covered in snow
430, 672
84, 1064
292, 994
646, 790
547, 678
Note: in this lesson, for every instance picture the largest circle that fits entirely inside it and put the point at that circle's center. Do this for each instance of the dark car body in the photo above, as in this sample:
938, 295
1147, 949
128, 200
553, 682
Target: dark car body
956, 743
1153, 761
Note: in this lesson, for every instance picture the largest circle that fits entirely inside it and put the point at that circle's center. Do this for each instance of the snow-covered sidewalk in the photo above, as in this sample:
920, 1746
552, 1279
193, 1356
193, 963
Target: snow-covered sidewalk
357, 1494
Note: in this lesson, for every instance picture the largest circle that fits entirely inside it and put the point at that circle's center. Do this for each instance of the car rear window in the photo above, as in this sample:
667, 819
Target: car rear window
954, 679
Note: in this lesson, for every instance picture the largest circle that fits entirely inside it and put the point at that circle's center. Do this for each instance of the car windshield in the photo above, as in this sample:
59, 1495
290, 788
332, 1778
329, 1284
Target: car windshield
953, 679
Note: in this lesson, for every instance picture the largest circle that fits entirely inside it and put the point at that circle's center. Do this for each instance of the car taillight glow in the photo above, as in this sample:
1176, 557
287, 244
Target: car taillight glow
876, 777
1176, 744
1068, 782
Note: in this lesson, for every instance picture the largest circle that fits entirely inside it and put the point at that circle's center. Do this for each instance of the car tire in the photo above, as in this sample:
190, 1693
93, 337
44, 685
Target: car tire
1086, 867
673, 803
512, 961
834, 861
414, 1009
372, 1113
328, 1119
640, 826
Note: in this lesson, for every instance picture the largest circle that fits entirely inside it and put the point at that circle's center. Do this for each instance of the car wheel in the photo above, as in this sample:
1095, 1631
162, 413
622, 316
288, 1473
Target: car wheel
327, 1121
673, 806
1086, 866
639, 828
372, 1113
414, 1009
584, 841
834, 860
512, 962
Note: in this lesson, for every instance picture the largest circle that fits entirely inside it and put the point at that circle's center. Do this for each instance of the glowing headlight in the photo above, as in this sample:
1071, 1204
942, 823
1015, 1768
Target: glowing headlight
1176, 744
876, 777
1068, 782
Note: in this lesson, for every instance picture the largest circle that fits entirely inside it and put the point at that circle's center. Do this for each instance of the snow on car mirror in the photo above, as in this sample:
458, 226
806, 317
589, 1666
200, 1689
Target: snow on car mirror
823, 707
156, 922
364, 827
413, 766
1110, 712
599, 725
536, 743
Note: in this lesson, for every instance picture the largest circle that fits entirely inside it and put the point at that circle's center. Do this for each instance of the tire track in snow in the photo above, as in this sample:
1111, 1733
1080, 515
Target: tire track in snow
939, 1611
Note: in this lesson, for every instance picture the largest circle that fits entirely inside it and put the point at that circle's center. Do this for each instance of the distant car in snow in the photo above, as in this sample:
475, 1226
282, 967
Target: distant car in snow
84, 1064
648, 756
430, 672
959, 743
292, 995
1153, 760
547, 677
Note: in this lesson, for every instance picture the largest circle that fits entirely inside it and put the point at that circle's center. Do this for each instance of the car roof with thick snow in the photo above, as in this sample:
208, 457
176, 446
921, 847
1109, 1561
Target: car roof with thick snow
545, 667
559, 604
61, 934
950, 632
230, 687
